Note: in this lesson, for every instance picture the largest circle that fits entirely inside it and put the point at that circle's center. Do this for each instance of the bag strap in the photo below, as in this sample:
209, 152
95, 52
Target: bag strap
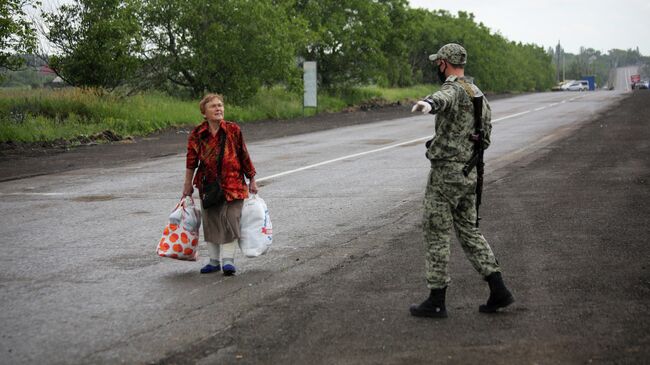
182, 202
468, 88
222, 147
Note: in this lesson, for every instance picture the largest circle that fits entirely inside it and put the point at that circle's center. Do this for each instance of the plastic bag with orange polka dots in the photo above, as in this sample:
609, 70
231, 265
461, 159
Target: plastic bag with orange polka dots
180, 238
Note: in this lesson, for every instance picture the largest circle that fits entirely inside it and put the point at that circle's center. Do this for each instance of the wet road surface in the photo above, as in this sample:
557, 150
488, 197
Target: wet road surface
81, 282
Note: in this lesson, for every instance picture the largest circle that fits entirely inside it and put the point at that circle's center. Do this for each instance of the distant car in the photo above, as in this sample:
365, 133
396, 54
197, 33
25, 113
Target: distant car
580, 85
564, 86
559, 86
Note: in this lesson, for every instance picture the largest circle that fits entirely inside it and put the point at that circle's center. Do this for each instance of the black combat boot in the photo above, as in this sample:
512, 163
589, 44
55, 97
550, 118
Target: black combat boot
500, 296
433, 306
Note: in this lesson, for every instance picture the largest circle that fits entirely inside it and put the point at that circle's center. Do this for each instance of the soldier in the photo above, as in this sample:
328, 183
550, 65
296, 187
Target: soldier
450, 195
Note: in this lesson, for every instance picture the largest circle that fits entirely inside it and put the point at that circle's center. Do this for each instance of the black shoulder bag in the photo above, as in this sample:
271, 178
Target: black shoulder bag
212, 194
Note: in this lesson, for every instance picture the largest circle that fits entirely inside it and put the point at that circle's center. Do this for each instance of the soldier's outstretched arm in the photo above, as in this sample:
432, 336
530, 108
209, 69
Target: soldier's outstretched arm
443, 99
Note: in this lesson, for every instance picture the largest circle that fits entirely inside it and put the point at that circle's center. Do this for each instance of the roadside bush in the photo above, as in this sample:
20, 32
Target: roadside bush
46, 115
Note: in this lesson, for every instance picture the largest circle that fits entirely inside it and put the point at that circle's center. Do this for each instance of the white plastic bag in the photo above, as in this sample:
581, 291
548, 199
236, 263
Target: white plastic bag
256, 227
180, 237
188, 214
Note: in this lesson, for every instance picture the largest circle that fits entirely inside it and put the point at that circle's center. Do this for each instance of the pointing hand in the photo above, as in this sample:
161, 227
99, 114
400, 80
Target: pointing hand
421, 106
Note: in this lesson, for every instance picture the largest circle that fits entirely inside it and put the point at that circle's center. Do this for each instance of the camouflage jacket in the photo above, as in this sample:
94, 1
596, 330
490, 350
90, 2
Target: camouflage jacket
455, 120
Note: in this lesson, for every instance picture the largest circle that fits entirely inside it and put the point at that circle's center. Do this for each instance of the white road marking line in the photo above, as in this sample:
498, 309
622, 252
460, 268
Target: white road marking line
511, 116
324, 162
343, 158
383, 148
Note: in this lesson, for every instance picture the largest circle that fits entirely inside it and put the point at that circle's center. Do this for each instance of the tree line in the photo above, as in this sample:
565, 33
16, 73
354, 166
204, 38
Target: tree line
591, 62
237, 46
17, 34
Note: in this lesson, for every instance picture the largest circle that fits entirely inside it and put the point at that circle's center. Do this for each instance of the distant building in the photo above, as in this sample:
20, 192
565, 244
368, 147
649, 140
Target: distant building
56, 83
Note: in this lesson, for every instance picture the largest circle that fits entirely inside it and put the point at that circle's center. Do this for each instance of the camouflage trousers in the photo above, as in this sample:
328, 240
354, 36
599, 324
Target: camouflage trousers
449, 201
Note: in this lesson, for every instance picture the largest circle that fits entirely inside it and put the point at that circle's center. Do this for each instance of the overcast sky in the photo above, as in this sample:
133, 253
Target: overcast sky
597, 24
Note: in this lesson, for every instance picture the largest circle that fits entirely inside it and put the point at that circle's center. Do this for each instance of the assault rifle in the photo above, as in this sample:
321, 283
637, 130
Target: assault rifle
477, 157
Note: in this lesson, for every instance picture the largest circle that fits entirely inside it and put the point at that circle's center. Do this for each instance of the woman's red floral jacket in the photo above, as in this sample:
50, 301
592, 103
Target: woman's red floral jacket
202, 151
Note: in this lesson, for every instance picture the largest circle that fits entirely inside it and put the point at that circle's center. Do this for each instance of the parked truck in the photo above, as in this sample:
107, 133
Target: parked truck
591, 80
634, 79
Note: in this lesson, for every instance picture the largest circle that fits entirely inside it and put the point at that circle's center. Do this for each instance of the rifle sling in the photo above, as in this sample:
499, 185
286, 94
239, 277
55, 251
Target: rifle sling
477, 101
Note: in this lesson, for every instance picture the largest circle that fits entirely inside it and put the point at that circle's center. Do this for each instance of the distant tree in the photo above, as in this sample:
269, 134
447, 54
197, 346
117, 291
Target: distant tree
17, 34
97, 42
234, 47
558, 60
625, 57
228, 46
645, 71
497, 65
424, 39
396, 43
345, 38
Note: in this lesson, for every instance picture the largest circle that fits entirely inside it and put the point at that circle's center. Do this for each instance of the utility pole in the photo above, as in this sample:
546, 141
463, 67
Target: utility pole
556, 59
558, 56
563, 67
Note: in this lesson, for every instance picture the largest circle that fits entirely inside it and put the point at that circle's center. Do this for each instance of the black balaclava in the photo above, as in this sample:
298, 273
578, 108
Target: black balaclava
441, 74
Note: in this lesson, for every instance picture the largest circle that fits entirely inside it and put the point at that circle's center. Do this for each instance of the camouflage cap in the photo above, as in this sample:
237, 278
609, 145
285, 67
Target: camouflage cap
452, 52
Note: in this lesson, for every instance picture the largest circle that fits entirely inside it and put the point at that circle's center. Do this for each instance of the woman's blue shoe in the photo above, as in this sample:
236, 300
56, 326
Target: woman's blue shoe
210, 268
229, 270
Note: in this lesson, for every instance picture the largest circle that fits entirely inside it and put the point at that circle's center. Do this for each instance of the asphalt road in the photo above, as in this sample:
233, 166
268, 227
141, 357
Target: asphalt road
622, 80
81, 282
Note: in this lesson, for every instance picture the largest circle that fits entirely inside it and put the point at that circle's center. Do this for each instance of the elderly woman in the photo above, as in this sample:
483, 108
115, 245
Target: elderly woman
221, 222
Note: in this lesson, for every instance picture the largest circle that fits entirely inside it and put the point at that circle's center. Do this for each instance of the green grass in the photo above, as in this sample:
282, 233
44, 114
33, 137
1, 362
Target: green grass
47, 115
400, 94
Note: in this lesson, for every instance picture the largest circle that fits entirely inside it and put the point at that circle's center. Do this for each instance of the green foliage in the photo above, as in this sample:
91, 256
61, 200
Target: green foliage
628, 57
496, 64
397, 70
28, 77
45, 115
232, 47
51, 114
236, 47
98, 42
345, 38
17, 34
414, 92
